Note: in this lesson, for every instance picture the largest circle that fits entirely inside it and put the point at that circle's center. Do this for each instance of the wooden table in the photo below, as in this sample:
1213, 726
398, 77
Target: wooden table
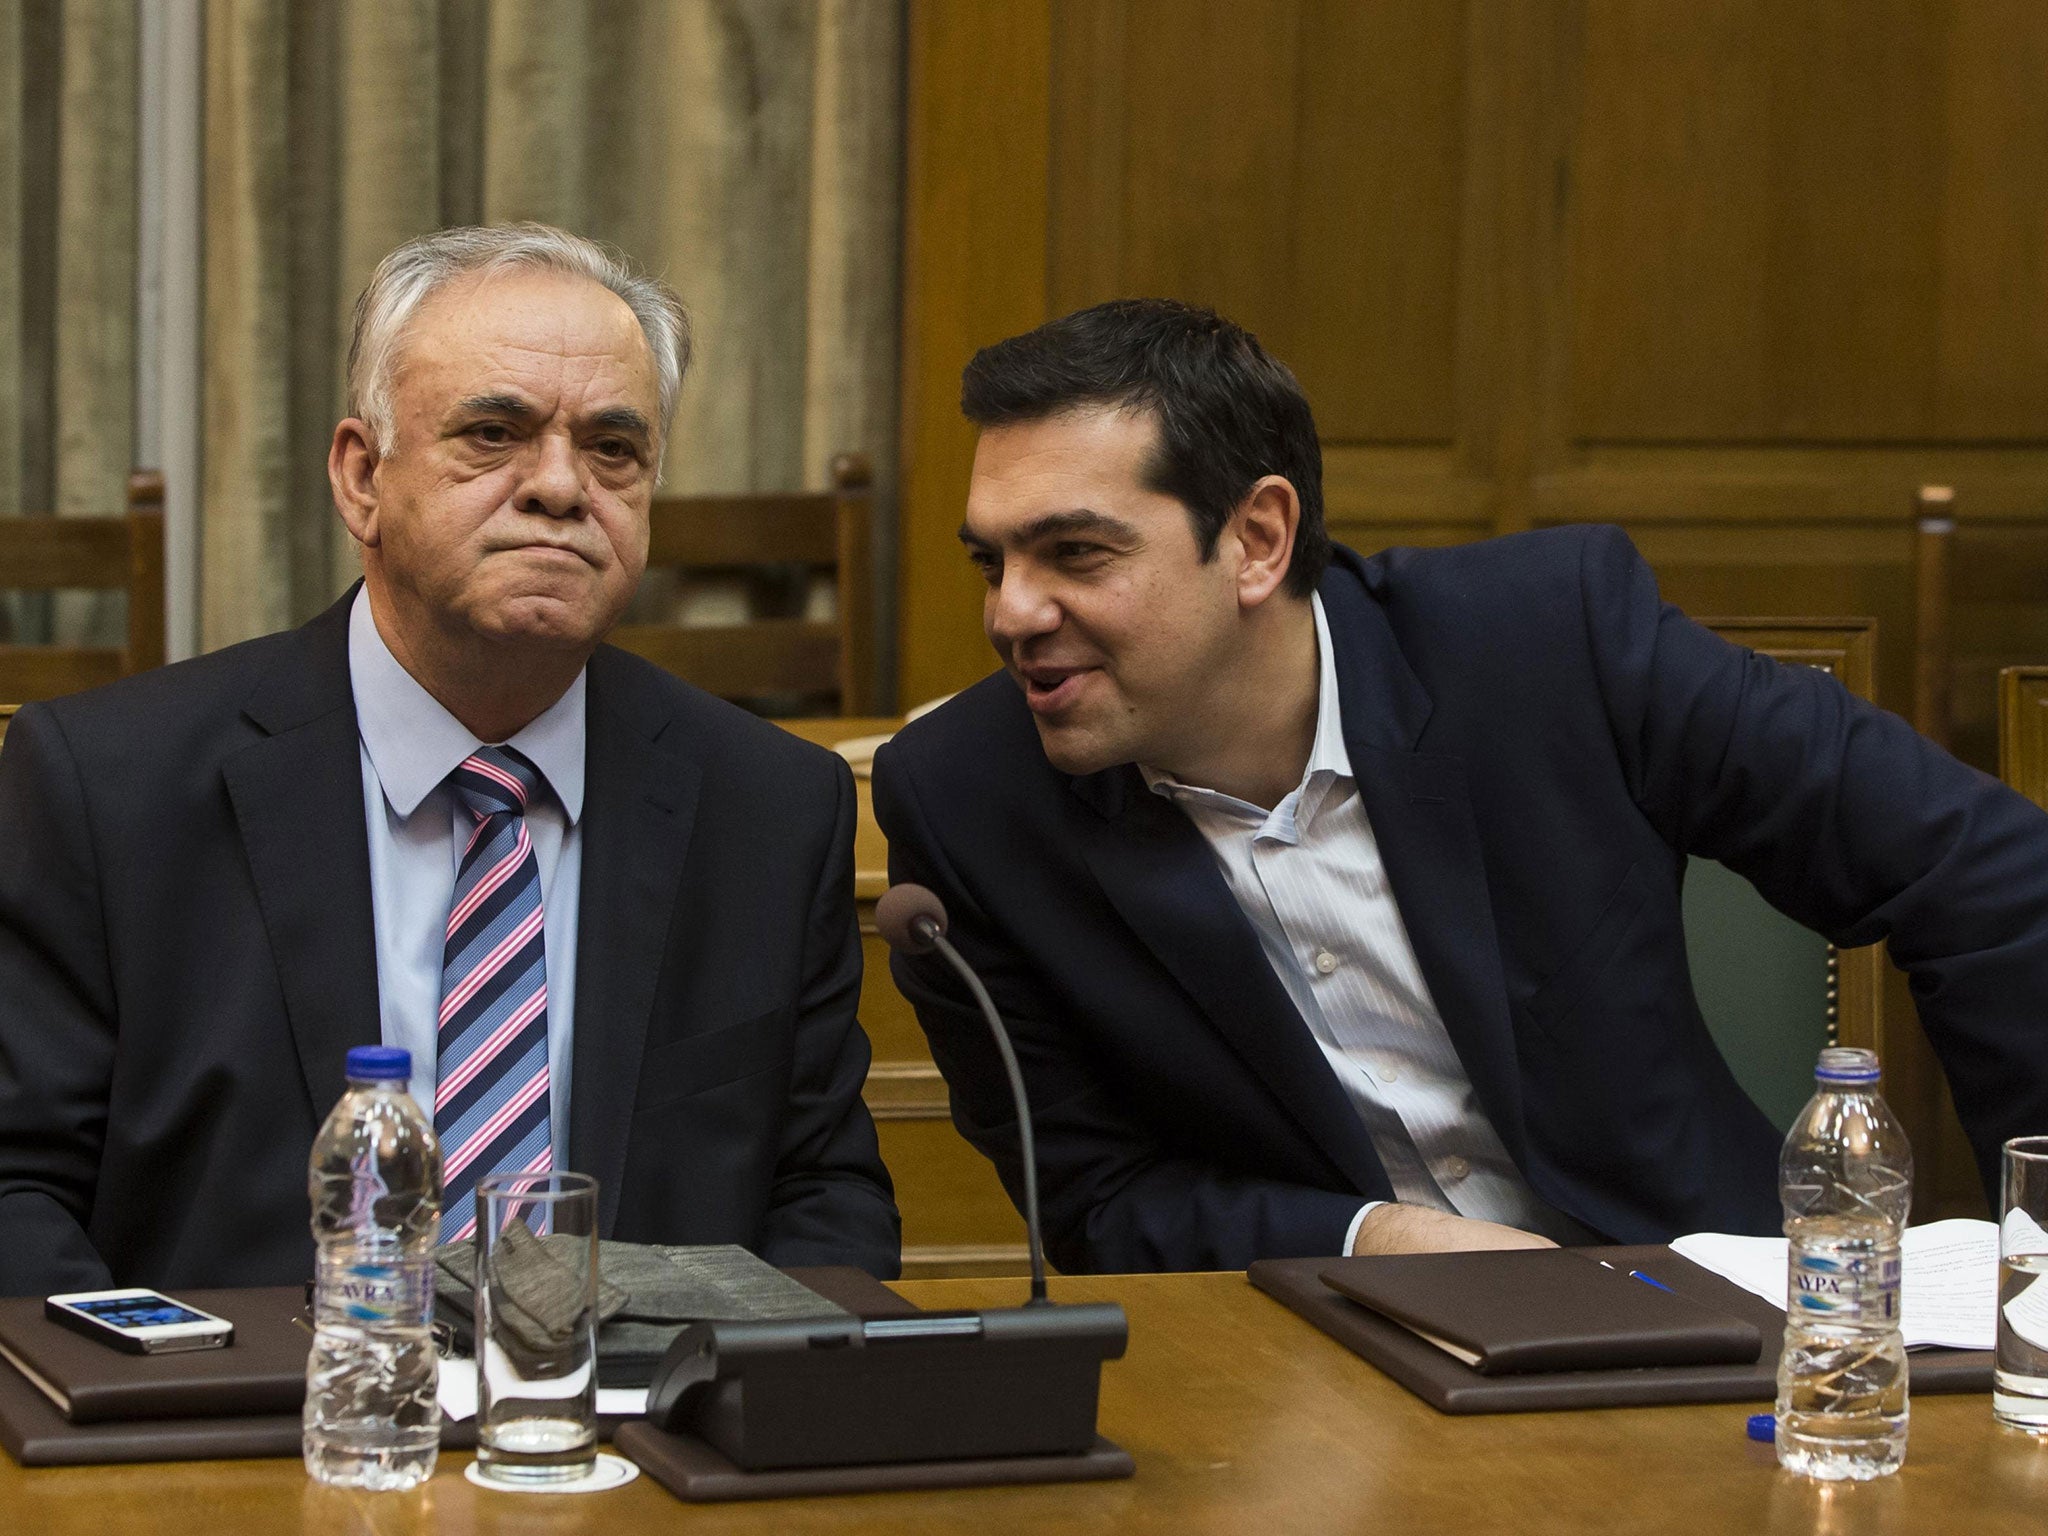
1243, 1419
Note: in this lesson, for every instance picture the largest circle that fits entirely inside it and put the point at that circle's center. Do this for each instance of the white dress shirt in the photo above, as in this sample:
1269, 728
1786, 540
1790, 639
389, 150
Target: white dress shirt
418, 829
1308, 877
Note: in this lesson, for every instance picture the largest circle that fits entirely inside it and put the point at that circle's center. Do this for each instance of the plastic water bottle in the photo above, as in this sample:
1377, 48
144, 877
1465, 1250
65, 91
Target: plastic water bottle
373, 1417
1846, 1180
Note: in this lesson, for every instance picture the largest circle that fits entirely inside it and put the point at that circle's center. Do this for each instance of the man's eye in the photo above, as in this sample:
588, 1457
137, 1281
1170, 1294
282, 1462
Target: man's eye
615, 448
990, 566
1074, 553
491, 434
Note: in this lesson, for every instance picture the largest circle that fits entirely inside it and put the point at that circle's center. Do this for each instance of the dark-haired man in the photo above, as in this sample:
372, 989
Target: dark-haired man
1334, 902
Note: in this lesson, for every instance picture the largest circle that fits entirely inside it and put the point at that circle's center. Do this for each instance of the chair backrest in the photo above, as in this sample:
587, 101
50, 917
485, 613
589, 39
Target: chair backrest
1980, 598
2023, 731
6, 714
790, 657
47, 554
1774, 993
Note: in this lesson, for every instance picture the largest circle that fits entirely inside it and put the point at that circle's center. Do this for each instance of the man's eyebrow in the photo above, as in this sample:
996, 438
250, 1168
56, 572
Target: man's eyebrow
495, 405
1056, 524
623, 418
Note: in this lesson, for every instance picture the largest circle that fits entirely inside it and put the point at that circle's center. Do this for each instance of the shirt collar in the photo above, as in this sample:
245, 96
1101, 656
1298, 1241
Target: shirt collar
1328, 760
414, 743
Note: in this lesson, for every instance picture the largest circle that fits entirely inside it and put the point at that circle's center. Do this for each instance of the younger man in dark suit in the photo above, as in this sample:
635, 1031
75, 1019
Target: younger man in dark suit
611, 917
1334, 902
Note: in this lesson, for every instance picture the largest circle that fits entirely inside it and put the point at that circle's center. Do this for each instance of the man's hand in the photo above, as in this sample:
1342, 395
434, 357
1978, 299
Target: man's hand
1395, 1228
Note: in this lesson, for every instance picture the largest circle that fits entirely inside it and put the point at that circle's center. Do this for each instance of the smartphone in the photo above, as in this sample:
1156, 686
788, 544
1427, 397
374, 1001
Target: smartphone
141, 1322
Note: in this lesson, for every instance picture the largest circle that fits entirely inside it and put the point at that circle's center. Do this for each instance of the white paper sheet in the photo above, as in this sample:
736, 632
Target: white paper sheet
1948, 1284
458, 1394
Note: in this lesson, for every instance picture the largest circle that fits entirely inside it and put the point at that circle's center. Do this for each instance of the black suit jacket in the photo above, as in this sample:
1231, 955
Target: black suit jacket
187, 952
1539, 743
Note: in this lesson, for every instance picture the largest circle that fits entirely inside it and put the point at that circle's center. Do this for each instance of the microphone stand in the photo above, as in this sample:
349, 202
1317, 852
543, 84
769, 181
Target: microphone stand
928, 929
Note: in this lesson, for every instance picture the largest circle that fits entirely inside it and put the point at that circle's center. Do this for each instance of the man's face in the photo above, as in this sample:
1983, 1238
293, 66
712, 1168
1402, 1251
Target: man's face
513, 503
1099, 602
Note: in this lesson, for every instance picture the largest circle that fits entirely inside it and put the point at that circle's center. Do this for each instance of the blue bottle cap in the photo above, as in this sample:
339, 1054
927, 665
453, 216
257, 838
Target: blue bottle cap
1846, 1064
379, 1064
1763, 1427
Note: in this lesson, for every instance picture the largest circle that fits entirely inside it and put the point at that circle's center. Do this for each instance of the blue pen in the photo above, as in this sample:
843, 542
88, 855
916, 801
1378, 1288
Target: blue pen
1637, 1274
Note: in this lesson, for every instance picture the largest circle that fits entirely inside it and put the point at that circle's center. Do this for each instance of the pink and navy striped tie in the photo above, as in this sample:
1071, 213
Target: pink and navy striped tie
491, 1097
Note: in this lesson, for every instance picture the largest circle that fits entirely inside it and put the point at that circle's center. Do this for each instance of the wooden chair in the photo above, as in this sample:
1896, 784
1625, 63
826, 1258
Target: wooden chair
2023, 731
45, 554
1980, 597
1774, 993
782, 657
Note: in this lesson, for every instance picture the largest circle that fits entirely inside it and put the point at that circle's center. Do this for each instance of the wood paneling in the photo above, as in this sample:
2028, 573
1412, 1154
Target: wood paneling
974, 240
1739, 276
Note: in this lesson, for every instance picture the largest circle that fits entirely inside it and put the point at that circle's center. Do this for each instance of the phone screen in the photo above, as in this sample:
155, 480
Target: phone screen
145, 1311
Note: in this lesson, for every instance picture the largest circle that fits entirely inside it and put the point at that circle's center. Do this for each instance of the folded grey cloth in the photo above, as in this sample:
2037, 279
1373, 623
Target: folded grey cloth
646, 1294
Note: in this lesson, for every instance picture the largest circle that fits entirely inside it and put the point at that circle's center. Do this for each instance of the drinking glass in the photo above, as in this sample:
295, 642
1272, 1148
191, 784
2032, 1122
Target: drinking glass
536, 1327
2019, 1383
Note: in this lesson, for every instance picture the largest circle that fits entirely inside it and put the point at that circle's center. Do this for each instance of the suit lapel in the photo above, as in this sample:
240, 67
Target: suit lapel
297, 795
639, 805
1429, 843
1162, 879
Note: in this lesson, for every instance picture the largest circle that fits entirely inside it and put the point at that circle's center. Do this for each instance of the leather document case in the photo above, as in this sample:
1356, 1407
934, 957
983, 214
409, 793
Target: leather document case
186, 1418
262, 1371
1451, 1386
1543, 1309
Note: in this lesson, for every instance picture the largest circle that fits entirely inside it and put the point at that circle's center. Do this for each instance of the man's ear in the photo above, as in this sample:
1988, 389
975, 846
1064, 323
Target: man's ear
1263, 526
352, 473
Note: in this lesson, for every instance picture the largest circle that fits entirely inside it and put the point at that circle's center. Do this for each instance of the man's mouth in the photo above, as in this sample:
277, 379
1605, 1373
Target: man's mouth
541, 547
1049, 690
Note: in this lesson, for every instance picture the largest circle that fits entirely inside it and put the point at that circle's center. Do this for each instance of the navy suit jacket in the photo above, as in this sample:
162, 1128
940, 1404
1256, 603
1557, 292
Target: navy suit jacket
1539, 742
187, 953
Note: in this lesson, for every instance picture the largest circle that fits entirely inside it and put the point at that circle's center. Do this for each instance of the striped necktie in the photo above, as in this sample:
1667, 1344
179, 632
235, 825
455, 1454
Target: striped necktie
491, 1095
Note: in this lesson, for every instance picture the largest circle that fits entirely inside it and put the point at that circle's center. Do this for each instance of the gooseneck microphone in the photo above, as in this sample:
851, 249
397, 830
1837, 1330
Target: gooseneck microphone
930, 1387
913, 922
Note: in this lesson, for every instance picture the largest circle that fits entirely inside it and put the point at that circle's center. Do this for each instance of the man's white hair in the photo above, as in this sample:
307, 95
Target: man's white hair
404, 280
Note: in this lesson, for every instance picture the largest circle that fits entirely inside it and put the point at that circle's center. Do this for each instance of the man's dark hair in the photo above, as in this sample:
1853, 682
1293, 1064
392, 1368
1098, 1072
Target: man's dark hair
1228, 412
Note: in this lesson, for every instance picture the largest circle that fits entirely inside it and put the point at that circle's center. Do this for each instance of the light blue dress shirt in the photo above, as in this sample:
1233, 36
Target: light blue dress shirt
410, 744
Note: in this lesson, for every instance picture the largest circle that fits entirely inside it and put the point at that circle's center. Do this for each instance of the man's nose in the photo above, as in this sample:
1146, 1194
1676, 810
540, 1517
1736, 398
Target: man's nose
1020, 607
554, 480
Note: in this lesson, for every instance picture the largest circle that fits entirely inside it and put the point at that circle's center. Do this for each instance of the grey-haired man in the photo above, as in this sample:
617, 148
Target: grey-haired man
610, 916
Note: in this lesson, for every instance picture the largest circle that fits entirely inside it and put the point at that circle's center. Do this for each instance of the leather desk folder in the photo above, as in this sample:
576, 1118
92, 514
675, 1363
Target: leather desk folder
263, 1371
1451, 1386
1520, 1310
216, 1404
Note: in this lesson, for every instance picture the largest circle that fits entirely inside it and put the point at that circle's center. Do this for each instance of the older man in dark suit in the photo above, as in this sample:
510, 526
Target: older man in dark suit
610, 916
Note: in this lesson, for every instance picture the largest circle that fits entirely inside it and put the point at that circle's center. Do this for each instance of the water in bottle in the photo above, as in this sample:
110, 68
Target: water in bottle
1846, 1180
372, 1418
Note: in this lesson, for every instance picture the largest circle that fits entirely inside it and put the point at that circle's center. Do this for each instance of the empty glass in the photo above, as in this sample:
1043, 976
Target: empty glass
536, 1327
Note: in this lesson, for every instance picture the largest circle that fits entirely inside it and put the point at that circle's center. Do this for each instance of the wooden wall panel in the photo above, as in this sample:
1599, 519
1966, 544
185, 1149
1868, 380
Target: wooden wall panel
1811, 221
1296, 166
975, 211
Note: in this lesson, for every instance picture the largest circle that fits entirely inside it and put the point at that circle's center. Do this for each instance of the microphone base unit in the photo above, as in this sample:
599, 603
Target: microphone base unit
933, 1386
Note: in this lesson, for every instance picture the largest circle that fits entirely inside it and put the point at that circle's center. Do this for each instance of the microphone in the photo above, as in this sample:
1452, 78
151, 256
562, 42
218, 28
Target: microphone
913, 922
1012, 1383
